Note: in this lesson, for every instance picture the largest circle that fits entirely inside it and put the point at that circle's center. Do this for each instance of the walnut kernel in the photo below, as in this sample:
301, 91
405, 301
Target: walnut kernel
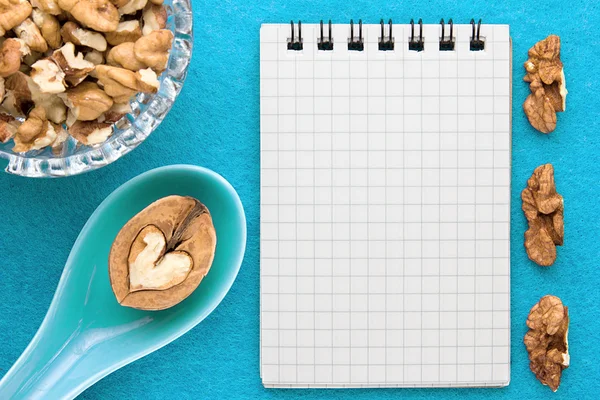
547, 341
544, 209
546, 79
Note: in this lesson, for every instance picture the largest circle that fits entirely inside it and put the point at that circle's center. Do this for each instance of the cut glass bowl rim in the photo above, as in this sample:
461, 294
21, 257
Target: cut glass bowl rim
148, 113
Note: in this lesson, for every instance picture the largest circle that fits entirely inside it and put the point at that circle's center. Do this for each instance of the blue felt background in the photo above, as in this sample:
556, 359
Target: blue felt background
215, 123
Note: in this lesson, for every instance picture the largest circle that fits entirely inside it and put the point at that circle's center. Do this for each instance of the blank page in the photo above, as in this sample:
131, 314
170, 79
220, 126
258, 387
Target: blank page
385, 216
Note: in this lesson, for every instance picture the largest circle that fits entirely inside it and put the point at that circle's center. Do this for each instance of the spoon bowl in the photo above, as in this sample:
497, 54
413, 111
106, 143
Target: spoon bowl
86, 334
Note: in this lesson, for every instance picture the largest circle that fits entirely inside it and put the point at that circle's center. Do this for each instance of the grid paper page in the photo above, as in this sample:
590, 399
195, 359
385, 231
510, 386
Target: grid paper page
385, 188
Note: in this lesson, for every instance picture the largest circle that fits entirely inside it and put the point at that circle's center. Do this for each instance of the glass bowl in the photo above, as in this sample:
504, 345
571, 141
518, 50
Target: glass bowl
148, 111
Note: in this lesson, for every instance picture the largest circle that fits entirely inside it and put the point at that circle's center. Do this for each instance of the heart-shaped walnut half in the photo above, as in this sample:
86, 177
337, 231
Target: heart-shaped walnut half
162, 254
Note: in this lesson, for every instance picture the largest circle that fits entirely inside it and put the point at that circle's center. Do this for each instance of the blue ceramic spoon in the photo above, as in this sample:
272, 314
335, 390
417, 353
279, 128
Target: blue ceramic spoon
86, 334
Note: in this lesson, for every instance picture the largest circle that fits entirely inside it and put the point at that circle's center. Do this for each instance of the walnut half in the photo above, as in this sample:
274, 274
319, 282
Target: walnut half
546, 79
162, 254
547, 341
544, 210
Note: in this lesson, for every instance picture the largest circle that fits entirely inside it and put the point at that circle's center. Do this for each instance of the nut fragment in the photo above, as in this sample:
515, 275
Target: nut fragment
544, 209
61, 137
121, 84
547, 342
116, 112
123, 56
128, 31
35, 133
162, 254
87, 101
547, 84
22, 93
71, 32
147, 81
49, 6
118, 83
33, 126
100, 15
74, 67
30, 59
154, 17
90, 132
132, 6
8, 127
95, 57
18, 99
119, 3
49, 27
10, 57
153, 49
31, 35
152, 269
13, 14
49, 77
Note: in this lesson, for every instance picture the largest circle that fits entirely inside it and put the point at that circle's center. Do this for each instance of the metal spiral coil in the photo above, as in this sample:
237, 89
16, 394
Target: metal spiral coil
416, 43
295, 42
386, 41
447, 44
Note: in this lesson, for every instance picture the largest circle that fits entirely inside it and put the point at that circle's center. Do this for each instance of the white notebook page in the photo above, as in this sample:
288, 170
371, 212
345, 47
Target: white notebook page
385, 189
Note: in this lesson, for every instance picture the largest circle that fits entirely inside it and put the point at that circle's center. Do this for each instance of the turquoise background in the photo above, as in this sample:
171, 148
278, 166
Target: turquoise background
215, 123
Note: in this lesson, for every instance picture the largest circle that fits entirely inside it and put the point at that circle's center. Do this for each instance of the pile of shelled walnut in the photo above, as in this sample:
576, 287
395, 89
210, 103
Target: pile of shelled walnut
70, 67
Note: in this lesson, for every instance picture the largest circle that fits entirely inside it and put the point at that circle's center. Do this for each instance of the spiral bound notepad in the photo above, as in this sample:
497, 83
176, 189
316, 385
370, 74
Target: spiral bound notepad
385, 189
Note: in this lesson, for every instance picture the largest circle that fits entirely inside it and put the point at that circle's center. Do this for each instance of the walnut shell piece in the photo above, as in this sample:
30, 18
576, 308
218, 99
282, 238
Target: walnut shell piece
145, 278
547, 340
545, 73
544, 210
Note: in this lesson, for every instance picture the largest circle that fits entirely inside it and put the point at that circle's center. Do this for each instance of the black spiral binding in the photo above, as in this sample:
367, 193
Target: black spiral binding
447, 44
386, 44
476, 43
416, 44
325, 44
356, 43
295, 43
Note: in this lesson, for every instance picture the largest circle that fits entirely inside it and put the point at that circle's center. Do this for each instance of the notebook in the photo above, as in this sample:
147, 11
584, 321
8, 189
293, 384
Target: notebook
385, 215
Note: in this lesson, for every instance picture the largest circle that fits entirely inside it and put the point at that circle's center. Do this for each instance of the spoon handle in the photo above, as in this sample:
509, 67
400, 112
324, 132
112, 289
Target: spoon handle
49, 368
